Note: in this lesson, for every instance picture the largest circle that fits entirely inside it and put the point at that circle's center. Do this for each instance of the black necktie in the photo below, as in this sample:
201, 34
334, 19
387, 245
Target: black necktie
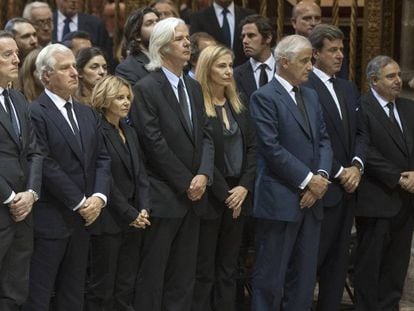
263, 79
12, 116
301, 106
226, 28
393, 120
342, 106
66, 28
184, 104
75, 128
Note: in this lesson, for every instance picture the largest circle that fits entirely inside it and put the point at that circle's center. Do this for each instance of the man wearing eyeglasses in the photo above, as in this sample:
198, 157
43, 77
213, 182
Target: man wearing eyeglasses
40, 14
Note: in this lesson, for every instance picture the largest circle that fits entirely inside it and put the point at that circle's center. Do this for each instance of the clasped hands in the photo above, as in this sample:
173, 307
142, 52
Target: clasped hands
21, 205
91, 209
142, 220
315, 190
350, 178
407, 181
197, 187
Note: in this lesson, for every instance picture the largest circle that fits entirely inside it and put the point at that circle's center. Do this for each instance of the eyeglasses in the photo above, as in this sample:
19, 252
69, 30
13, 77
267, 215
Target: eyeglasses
43, 22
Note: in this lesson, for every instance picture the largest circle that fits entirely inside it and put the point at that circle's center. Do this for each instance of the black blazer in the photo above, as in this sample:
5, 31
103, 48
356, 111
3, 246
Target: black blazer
20, 161
358, 138
219, 189
133, 68
174, 154
206, 21
130, 185
69, 173
389, 154
96, 29
245, 80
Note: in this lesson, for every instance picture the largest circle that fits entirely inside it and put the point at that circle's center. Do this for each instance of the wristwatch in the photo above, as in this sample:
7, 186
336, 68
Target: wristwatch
358, 166
34, 193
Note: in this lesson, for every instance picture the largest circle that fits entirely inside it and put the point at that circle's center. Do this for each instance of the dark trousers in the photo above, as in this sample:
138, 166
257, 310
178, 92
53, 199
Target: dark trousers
218, 250
60, 265
286, 258
16, 245
113, 267
333, 258
382, 258
166, 276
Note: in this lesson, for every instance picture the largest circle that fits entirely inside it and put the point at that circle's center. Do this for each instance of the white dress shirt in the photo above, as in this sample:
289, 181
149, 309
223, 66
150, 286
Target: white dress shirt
270, 68
231, 18
73, 25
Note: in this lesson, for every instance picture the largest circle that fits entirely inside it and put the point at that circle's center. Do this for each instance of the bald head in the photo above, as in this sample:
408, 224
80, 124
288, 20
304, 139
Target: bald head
305, 16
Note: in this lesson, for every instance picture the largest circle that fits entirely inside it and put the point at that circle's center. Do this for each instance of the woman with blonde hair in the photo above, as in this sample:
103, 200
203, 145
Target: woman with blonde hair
233, 135
116, 237
30, 84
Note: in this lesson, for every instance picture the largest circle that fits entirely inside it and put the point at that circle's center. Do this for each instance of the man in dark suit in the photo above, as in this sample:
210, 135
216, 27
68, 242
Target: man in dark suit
67, 19
384, 211
75, 184
172, 126
137, 32
340, 100
20, 177
294, 158
258, 37
221, 20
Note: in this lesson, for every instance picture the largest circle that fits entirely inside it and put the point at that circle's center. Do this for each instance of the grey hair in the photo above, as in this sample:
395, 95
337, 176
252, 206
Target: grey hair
376, 64
290, 46
46, 61
27, 12
162, 34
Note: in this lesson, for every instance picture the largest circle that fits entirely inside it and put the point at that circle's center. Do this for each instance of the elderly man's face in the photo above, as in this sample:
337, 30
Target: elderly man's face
26, 38
179, 48
297, 70
43, 23
63, 79
388, 83
68, 8
9, 61
308, 15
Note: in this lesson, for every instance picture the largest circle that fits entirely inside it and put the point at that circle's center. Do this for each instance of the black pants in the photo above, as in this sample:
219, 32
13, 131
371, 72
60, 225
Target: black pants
333, 258
114, 261
167, 272
16, 245
58, 265
382, 259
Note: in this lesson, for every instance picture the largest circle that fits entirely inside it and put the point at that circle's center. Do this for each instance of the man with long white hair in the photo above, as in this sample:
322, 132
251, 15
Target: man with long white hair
172, 126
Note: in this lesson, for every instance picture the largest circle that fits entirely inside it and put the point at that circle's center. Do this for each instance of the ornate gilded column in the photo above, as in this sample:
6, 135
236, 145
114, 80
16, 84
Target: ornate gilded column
378, 33
407, 43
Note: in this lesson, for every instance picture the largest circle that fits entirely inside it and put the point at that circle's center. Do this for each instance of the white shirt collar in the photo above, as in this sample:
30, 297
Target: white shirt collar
61, 18
219, 9
172, 77
57, 100
270, 62
286, 85
381, 100
321, 75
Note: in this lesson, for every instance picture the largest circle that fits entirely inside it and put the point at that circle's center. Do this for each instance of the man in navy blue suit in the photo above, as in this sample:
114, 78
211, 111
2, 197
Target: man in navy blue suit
293, 160
75, 184
340, 105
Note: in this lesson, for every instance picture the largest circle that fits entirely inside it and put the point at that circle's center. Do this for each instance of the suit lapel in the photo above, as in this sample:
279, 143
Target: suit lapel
21, 116
383, 119
330, 107
291, 105
6, 123
248, 81
213, 22
62, 125
119, 146
406, 125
